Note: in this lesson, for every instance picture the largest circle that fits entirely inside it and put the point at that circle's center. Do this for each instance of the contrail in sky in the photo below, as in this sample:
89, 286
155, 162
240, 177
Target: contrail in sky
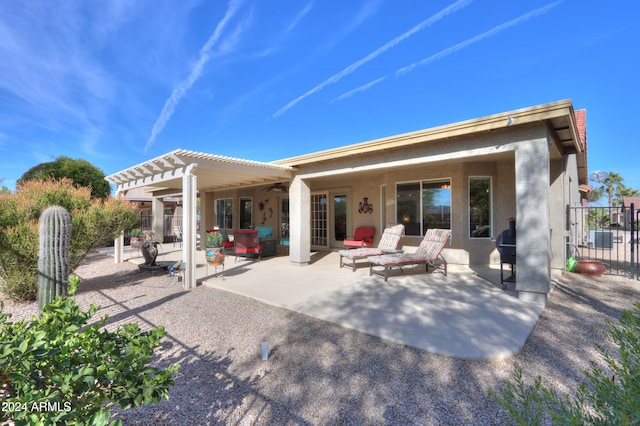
351, 68
181, 89
449, 50
493, 31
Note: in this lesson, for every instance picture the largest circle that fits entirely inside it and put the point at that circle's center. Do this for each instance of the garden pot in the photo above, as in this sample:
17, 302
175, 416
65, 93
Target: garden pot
215, 256
135, 242
590, 267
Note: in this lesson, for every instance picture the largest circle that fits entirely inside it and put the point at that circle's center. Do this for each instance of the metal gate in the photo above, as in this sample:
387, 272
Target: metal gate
607, 234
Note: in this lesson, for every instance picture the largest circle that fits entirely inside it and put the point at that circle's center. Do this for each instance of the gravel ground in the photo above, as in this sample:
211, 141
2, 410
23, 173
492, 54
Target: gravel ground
320, 373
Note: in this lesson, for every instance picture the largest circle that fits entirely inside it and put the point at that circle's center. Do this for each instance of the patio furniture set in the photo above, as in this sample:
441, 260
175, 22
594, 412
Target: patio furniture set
387, 255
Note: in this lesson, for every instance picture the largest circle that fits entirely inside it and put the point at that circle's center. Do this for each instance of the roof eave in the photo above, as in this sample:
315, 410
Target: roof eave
462, 128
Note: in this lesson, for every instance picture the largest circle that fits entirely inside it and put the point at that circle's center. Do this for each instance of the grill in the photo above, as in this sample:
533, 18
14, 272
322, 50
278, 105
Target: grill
506, 245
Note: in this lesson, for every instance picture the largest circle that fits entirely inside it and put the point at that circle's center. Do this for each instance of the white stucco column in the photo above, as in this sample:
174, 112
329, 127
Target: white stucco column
118, 243
157, 222
299, 222
533, 254
189, 185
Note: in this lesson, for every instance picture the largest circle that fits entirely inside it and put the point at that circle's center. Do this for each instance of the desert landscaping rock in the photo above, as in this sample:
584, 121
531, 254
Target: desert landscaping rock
320, 373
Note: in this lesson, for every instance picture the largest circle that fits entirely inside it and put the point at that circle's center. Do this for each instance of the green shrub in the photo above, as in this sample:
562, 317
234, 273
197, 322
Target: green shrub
95, 222
59, 370
612, 397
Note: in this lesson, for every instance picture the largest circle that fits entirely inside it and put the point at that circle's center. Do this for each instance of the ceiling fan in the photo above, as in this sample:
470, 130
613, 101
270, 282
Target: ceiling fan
278, 186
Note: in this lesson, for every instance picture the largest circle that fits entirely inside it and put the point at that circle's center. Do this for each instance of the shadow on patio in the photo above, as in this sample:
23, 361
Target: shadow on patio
461, 315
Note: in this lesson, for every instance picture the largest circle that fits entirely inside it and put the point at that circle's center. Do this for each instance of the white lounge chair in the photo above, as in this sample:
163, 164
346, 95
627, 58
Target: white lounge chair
429, 253
389, 241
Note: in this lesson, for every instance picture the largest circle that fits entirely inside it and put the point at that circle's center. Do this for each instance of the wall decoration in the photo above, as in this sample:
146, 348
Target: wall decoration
365, 207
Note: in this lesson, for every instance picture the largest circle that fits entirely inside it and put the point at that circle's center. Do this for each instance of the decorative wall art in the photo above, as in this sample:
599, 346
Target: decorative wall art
365, 207
264, 207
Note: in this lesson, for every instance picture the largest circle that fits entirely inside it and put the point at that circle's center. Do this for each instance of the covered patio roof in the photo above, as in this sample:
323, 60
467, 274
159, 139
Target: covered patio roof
567, 125
163, 175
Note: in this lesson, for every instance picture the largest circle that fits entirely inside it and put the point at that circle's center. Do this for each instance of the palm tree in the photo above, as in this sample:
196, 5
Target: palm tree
612, 183
624, 191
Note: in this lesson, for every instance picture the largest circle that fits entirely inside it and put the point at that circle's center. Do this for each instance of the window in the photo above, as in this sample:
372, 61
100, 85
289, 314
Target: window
246, 221
224, 213
424, 205
480, 207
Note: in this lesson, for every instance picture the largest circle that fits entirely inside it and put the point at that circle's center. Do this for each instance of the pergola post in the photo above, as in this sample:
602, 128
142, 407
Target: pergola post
300, 220
118, 243
189, 186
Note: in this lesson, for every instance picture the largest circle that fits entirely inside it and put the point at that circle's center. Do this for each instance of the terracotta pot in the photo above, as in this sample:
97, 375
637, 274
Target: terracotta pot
590, 267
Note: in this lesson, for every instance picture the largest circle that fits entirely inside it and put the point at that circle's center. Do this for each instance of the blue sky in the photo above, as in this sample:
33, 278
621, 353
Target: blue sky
118, 82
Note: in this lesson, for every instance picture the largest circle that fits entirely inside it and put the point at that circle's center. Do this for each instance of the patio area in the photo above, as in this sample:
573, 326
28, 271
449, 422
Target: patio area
464, 315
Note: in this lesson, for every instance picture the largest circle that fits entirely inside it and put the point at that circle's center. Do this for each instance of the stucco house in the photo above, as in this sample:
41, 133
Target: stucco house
470, 177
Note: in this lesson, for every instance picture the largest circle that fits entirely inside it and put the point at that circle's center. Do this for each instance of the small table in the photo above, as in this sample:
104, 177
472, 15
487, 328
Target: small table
269, 246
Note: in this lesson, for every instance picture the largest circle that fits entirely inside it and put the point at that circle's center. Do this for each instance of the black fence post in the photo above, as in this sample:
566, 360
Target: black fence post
632, 249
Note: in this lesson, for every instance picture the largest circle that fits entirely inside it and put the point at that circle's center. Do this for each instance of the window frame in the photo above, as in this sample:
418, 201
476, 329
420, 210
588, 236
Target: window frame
421, 224
223, 224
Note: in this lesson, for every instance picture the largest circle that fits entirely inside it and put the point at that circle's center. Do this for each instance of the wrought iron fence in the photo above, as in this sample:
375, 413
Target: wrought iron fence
606, 234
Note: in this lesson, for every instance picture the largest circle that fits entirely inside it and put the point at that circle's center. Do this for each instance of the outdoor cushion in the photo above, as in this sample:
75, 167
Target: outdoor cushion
429, 253
265, 231
389, 241
362, 237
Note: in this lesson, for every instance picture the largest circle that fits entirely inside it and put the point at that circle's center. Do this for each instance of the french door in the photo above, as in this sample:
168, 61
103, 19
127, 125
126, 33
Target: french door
330, 218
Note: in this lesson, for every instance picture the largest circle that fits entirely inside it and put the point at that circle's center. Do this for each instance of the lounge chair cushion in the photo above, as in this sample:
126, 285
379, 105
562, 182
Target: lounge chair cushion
428, 252
389, 241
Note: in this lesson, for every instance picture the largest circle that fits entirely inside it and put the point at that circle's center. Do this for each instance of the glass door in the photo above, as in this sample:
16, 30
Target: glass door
319, 225
339, 219
284, 221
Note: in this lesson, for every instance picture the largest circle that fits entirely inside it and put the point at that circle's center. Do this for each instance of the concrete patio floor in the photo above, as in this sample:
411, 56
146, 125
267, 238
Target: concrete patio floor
463, 315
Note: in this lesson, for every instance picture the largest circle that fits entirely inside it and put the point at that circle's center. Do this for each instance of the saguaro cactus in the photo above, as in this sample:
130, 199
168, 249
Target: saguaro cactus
53, 258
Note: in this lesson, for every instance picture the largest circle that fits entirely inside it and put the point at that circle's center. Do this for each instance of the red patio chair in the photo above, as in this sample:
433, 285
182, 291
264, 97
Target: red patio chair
362, 237
246, 243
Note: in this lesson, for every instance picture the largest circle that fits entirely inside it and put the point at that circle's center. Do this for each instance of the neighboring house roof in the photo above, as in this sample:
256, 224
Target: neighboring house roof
581, 124
627, 201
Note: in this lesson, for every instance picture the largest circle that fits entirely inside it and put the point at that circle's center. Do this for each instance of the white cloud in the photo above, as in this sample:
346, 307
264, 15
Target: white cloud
351, 68
296, 20
455, 48
493, 31
205, 54
358, 89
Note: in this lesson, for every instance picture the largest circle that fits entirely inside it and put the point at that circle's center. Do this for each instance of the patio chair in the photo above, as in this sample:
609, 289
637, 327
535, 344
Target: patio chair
362, 237
388, 242
246, 243
429, 253
227, 244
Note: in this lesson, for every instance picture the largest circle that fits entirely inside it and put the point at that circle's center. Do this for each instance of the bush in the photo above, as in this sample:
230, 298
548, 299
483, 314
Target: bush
611, 398
95, 222
58, 370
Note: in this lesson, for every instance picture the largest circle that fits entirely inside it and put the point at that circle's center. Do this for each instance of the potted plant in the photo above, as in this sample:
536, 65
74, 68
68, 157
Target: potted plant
215, 253
135, 237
